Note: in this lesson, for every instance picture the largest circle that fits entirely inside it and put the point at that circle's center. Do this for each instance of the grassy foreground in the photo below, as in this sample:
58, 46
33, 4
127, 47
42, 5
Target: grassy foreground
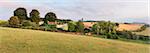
32, 41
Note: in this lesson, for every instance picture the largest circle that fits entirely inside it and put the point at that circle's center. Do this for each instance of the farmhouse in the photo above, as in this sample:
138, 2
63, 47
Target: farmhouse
51, 22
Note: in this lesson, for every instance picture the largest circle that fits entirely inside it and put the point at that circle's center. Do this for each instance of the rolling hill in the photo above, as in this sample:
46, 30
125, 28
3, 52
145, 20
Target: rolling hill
146, 32
32, 41
129, 27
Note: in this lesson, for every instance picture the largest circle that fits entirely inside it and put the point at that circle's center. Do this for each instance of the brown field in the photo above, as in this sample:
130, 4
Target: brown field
88, 24
145, 32
129, 27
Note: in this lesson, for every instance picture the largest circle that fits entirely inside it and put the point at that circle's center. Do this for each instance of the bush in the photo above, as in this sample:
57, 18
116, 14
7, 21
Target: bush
14, 21
26, 23
71, 27
49, 27
130, 35
3, 23
80, 27
125, 34
145, 38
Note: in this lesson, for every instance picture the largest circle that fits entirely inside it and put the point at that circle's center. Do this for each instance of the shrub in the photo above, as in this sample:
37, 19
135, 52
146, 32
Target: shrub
86, 30
130, 35
125, 34
145, 38
80, 27
3, 23
71, 27
26, 23
49, 27
14, 21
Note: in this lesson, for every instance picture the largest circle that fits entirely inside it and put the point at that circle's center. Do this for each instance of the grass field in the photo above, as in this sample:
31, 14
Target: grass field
2, 21
32, 41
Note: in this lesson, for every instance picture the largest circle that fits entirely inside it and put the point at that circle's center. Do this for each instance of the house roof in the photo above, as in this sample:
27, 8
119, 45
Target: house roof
52, 22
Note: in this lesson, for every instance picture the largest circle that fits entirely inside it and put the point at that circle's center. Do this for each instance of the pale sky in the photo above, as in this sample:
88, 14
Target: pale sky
113, 10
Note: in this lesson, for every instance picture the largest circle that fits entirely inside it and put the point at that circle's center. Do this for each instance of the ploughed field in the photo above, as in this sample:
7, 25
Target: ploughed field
32, 41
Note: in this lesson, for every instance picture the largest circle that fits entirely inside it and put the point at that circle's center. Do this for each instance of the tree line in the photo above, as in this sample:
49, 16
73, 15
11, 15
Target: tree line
20, 15
104, 29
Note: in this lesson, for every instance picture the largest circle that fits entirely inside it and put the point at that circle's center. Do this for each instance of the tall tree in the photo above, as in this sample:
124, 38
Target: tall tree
14, 21
50, 17
105, 28
21, 13
71, 27
34, 16
80, 27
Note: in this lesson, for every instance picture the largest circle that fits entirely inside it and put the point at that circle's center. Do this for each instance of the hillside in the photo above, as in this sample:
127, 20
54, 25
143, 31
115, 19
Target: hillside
32, 41
129, 27
145, 32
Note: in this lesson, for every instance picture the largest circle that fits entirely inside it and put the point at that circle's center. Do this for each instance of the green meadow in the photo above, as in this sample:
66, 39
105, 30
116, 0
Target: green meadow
32, 41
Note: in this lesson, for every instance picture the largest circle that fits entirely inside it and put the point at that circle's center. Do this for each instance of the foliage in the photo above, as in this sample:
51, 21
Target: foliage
50, 17
14, 21
130, 35
3, 23
49, 27
86, 30
105, 28
62, 21
34, 16
125, 34
26, 23
71, 27
80, 27
21, 13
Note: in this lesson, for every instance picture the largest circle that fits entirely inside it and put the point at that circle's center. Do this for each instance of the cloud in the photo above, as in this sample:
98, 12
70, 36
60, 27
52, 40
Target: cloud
77, 9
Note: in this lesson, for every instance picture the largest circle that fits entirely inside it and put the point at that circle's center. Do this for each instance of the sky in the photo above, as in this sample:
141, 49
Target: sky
109, 10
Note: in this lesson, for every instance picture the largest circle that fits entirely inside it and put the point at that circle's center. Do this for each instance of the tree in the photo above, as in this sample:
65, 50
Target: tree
80, 27
105, 28
49, 27
34, 15
14, 21
21, 13
71, 27
26, 23
50, 17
